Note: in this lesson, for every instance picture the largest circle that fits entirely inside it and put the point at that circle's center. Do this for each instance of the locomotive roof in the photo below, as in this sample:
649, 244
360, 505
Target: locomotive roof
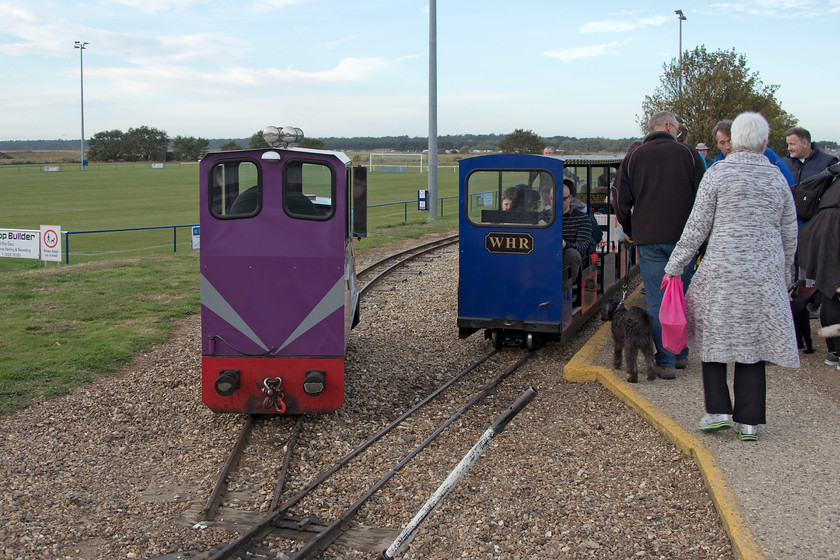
340, 155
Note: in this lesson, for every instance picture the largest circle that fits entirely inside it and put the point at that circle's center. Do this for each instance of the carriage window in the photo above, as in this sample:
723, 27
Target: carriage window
308, 190
592, 184
235, 189
511, 197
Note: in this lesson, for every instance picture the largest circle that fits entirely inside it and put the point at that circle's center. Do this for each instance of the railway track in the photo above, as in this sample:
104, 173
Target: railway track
279, 522
372, 274
317, 535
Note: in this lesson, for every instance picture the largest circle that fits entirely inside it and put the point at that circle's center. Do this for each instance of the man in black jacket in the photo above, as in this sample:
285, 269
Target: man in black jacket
805, 159
656, 185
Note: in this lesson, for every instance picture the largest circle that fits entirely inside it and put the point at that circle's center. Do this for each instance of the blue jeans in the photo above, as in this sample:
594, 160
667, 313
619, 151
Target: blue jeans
652, 260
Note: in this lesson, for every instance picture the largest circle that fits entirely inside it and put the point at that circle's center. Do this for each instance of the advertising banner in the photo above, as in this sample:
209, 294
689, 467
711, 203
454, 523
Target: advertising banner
19, 243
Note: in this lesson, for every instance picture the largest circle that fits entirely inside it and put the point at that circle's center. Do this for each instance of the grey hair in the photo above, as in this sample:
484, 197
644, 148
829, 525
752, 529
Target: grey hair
749, 132
661, 118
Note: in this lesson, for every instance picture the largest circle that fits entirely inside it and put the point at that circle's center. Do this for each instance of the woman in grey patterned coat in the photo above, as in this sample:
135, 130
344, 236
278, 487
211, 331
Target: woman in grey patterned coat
737, 306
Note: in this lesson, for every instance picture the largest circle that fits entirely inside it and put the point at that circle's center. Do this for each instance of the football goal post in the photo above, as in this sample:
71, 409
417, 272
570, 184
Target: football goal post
389, 162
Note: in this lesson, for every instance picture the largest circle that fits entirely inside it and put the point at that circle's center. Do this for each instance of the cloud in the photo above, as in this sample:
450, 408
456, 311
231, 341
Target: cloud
271, 5
627, 23
166, 79
773, 8
567, 55
349, 69
157, 6
329, 45
154, 6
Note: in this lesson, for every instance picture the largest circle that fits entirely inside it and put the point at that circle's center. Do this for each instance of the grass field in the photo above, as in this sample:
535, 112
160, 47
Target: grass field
65, 325
113, 196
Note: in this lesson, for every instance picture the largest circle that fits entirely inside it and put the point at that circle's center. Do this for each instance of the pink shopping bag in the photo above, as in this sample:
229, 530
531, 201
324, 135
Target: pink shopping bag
672, 315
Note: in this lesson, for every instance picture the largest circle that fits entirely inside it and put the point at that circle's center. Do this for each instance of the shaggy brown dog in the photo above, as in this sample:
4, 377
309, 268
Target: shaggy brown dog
631, 332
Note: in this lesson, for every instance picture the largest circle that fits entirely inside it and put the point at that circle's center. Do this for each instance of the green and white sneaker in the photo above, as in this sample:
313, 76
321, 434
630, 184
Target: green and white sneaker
715, 421
746, 432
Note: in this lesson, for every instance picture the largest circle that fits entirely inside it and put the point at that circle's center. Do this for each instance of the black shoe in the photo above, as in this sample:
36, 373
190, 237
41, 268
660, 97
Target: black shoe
681, 363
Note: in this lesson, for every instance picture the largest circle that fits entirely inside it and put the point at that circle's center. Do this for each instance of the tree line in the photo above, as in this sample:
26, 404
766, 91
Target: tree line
150, 144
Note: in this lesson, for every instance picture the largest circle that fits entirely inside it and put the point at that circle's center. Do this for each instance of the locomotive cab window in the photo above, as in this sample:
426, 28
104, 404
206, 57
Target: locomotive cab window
308, 190
235, 189
516, 198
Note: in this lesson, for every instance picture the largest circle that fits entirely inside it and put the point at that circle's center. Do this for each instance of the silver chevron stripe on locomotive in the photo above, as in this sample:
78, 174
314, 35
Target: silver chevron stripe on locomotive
334, 299
213, 300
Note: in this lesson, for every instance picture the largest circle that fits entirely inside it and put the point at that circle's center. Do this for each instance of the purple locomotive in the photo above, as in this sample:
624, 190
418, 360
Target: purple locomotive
278, 280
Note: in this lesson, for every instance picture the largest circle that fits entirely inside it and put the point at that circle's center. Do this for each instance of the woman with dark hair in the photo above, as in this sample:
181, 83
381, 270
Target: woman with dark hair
737, 306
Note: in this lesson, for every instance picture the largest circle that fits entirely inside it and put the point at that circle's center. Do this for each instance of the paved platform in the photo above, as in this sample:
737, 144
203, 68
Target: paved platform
779, 497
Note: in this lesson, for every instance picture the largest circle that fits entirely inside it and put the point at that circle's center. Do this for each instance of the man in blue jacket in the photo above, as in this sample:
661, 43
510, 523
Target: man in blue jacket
722, 133
805, 159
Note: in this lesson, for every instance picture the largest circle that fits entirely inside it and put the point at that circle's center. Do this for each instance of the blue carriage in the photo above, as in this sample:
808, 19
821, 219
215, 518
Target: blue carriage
512, 280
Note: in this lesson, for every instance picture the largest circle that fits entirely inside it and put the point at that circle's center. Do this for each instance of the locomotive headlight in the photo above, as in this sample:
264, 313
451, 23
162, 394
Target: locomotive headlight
291, 135
228, 382
286, 135
271, 134
314, 382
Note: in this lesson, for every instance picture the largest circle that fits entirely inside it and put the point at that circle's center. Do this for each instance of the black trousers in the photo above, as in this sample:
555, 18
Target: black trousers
830, 315
749, 386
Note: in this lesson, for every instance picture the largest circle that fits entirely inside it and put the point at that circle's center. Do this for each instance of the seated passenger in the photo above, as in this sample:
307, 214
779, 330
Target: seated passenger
246, 202
602, 187
529, 197
547, 197
508, 198
299, 204
577, 235
578, 204
513, 209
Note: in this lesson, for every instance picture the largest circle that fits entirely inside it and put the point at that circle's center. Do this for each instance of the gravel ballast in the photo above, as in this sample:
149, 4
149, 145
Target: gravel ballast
119, 468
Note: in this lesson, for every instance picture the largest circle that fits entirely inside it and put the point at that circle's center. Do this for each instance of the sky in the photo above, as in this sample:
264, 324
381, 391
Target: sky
226, 69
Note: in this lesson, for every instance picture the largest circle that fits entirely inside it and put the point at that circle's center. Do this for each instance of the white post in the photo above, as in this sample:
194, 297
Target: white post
81, 46
433, 159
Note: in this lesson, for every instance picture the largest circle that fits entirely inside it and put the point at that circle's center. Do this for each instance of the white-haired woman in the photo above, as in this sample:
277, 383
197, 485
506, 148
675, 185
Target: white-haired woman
737, 307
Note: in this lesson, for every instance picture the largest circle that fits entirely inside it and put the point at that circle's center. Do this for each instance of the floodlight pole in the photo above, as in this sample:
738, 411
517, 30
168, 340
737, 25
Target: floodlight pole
682, 18
432, 202
81, 46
